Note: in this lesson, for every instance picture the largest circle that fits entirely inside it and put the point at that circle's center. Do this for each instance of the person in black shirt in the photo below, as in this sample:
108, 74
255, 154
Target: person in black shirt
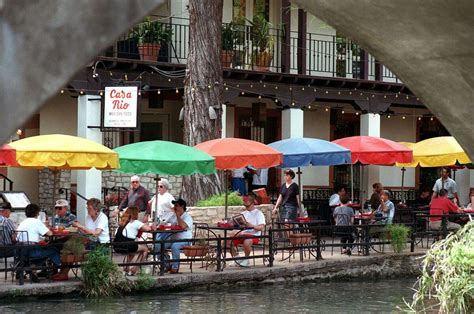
289, 198
424, 199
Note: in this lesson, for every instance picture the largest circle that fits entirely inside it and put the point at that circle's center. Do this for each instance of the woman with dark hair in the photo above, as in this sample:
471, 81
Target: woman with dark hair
127, 234
289, 198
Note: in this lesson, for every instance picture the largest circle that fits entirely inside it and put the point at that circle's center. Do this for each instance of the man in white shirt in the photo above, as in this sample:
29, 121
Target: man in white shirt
445, 182
335, 199
238, 181
255, 220
185, 221
259, 178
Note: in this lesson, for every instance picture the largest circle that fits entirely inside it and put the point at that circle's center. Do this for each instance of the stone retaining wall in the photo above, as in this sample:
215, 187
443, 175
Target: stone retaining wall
212, 215
387, 266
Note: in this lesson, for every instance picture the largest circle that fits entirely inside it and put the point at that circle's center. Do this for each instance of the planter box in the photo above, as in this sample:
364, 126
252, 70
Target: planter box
300, 238
195, 250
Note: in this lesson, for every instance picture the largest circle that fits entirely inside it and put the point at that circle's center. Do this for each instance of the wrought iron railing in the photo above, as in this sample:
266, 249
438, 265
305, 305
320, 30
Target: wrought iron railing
326, 55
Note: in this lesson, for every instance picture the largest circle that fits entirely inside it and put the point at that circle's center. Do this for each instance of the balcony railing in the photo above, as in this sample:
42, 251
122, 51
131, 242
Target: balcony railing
326, 55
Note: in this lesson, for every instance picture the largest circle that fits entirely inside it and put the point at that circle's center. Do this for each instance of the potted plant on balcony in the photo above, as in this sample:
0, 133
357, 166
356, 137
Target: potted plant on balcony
228, 44
150, 35
262, 41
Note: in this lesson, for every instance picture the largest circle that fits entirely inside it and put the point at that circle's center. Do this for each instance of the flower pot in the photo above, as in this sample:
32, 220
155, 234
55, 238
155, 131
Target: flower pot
300, 238
195, 250
226, 58
263, 59
72, 258
149, 51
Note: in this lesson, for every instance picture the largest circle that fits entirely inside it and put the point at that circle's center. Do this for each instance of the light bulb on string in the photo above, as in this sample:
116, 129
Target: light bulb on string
81, 92
343, 112
264, 85
388, 117
238, 85
251, 85
226, 88
259, 96
327, 92
276, 87
158, 92
327, 109
209, 86
357, 113
139, 93
309, 106
62, 91
243, 93
314, 90
169, 80
177, 91
419, 118
126, 77
276, 100
432, 119
302, 88
403, 117
101, 93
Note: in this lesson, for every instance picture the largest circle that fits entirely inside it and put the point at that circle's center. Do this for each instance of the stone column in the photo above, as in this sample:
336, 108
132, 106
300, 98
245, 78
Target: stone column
463, 179
89, 182
369, 126
292, 126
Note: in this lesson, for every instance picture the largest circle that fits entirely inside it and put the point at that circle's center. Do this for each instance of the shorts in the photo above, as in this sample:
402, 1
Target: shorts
241, 241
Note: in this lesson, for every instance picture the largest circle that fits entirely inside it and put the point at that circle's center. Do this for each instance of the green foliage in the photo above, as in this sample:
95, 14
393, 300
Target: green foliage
447, 275
229, 36
234, 199
260, 33
398, 236
101, 276
152, 32
144, 282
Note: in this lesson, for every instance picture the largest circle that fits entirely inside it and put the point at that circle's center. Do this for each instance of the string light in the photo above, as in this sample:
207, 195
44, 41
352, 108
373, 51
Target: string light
177, 91
276, 87
419, 118
343, 112
81, 92
388, 117
139, 93
209, 86
126, 77
293, 104
62, 91
238, 85
339, 93
396, 96
361, 94
192, 89
226, 88
302, 88
373, 95
327, 109
350, 93
432, 119
243, 93
290, 89
251, 85
264, 85
314, 90
276, 100
259, 96
357, 113
408, 97
101, 93
327, 92
309, 106
158, 91
169, 80
404, 117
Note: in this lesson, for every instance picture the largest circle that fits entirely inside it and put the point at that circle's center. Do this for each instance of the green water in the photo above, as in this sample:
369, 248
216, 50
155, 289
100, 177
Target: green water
381, 296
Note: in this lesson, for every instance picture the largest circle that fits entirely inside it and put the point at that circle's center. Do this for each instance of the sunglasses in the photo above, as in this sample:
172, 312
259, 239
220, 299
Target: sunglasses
135, 181
160, 186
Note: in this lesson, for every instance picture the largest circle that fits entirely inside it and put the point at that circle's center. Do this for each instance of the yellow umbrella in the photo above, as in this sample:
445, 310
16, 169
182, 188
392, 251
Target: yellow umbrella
58, 151
63, 152
437, 152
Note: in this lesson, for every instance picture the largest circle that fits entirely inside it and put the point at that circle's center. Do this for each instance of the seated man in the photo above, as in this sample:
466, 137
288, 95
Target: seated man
29, 231
185, 221
386, 210
255, 220
63, 216
344, 216
424, 199
441, 205
7, 224
335, 199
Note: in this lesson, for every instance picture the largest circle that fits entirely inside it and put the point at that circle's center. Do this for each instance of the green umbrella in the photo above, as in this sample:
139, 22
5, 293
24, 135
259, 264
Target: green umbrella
163, 157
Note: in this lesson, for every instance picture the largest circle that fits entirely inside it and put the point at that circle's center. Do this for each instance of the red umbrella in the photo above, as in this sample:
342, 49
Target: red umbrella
371, 150
7, 156
235, 153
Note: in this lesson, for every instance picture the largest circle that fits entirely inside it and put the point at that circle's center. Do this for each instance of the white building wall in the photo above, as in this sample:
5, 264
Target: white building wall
399, 130
316, 125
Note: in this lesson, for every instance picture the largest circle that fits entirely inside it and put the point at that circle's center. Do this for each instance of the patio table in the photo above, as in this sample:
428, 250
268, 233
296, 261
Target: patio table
169, 232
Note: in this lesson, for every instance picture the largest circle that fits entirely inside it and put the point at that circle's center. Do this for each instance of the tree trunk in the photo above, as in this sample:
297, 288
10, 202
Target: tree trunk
203, 89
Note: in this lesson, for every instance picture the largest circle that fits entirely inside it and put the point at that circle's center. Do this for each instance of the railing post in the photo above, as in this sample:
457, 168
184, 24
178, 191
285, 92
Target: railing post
219, 254
367, 240
286, 38
413, 238
364, 65
270, 248
318, 243
301, 52
162, 257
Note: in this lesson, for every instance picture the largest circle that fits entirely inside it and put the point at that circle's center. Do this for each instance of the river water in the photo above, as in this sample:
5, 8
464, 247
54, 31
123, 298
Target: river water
380, 296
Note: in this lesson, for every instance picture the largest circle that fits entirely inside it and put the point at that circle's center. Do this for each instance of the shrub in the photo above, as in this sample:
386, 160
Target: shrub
398, 236
234, 199
101, 276
144, 282
447, 275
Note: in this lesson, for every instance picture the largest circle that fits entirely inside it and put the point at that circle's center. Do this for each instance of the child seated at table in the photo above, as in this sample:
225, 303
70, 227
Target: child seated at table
344, 216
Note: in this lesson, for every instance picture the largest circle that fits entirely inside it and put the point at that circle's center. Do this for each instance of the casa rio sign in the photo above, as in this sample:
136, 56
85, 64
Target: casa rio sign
120, 107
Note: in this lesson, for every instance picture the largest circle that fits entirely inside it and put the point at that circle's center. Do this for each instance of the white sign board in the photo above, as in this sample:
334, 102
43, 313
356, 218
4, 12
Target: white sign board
120, 107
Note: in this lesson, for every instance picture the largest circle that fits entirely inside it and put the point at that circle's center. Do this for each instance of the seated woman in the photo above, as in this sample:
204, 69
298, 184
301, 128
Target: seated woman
127, 234
97, 223
29, 232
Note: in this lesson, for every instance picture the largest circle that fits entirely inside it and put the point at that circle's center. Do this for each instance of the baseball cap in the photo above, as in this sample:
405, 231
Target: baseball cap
180, 202
61, 203
6, 205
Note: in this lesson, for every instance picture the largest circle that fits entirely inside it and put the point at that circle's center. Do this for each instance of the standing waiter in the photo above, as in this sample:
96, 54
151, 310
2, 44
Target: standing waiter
445, 182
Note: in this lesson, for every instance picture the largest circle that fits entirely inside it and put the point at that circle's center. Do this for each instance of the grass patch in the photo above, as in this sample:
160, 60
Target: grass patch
234, 199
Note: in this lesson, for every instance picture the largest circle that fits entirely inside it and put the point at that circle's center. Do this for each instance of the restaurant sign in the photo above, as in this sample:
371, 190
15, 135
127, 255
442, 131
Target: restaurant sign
120, 107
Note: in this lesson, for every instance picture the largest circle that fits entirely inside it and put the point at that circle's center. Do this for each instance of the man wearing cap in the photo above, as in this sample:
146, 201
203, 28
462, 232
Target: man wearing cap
137, 196
63, 216
6, 223
185, 221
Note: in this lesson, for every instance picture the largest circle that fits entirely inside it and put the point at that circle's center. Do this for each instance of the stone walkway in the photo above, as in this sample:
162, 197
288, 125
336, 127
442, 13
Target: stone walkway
336, 265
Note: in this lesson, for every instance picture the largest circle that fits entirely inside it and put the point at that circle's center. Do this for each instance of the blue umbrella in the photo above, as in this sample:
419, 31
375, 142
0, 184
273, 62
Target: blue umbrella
303, 152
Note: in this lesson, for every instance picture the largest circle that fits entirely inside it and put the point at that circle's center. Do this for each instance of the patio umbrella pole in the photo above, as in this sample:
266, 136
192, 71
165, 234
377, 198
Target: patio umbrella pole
226, 192
352, 183
403, 179
154, 213
299, 184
